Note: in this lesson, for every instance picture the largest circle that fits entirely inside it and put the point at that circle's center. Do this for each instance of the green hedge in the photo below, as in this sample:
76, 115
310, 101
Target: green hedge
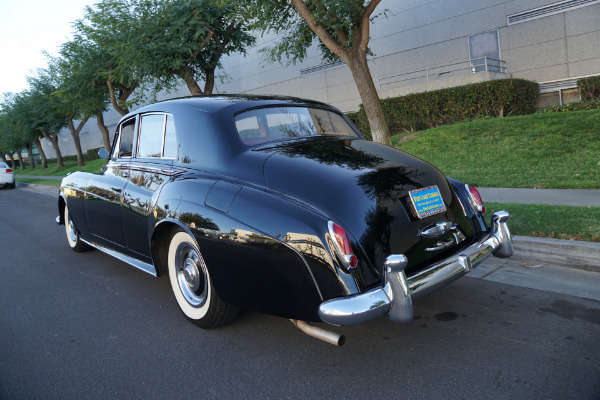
589, 88
92, 154
425, 110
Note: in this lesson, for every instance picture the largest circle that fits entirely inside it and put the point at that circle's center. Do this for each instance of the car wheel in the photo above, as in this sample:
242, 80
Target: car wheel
73, 238
13, 185
192, 286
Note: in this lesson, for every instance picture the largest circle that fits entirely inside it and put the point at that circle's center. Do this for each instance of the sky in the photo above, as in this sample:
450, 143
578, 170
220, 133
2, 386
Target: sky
28, 27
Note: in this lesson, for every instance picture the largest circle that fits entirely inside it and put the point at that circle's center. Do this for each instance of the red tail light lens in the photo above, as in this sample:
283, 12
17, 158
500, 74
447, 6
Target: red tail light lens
342, 245
476, 200
8, 171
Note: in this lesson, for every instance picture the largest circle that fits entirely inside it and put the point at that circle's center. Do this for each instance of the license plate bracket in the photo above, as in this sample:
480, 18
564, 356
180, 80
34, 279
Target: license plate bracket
426, 201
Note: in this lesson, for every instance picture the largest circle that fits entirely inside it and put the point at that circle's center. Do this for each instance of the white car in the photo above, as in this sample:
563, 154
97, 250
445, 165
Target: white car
7, 178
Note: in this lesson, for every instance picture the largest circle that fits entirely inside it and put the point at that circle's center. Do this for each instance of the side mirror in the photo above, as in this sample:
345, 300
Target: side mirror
102, 153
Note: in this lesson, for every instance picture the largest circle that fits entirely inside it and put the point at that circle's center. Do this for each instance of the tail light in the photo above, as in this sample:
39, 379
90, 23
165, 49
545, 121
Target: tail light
475, 199
9, 171
342, 246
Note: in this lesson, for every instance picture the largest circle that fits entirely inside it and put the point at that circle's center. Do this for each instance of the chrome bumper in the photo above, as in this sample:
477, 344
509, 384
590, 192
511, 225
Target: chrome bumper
394, 297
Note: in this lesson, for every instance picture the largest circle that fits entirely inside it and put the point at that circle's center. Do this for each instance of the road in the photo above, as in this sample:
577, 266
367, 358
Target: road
83, 325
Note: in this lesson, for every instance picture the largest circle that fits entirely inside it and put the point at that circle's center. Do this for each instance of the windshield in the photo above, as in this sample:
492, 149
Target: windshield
267, 124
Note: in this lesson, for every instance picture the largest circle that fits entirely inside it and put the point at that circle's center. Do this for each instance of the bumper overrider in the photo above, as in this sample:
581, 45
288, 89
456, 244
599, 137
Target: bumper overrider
394, 297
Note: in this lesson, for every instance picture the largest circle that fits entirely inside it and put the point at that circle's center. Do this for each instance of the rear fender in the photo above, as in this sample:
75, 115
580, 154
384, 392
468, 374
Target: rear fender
249, 267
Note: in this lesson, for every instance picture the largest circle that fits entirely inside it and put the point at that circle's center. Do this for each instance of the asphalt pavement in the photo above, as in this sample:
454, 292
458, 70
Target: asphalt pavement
84, 325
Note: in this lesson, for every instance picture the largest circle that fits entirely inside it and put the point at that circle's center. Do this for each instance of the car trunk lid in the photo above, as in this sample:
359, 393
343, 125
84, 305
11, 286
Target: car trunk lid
365, 187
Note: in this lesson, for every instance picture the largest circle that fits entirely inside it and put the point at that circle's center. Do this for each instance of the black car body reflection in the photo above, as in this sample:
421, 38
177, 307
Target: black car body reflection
277, 205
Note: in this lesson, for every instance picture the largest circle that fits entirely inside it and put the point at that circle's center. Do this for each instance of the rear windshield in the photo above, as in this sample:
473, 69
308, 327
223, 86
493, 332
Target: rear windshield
267, 124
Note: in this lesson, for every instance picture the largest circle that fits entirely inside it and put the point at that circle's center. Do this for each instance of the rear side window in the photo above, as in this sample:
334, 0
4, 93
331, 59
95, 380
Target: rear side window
152, 128
274, 123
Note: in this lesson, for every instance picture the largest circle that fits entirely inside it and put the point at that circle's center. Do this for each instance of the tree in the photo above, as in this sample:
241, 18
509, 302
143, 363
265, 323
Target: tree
23, 112
73, 113
165, 41
17, 130
47, 118
93, 45
11, 137
342, 27
80, 80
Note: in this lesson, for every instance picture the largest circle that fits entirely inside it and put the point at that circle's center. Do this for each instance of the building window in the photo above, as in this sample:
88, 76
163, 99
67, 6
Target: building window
484, 52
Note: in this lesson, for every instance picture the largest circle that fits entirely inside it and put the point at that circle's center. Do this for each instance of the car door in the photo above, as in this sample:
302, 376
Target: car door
148, 171
105, 191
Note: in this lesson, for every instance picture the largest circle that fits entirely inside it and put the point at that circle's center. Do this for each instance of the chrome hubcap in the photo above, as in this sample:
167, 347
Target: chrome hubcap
191, 275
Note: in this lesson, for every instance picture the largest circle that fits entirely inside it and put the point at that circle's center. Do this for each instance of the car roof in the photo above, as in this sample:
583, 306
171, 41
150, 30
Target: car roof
229, 102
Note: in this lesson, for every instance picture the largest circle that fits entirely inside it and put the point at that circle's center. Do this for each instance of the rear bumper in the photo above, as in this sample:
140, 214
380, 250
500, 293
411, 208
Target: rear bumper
7, 180
395, 295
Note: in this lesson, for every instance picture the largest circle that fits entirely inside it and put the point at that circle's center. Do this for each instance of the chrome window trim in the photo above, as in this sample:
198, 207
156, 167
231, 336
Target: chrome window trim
118, 146
163, 138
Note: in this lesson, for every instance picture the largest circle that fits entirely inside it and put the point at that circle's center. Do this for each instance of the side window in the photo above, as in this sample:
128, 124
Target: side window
126, 138
170, 150
152, 129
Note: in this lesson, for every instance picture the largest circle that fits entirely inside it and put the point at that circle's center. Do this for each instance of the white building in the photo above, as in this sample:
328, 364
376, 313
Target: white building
430, 44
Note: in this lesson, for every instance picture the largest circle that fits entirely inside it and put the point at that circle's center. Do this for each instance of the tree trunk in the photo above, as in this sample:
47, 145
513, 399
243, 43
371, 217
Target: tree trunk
209, 84
30, 155
186, 74
104, 130
38, 144
53, 138
368, 94
75, 133
20, 157
117, 101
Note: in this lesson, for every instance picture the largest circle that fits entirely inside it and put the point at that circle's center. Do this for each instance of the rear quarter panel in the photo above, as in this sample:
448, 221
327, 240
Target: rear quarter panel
259, 254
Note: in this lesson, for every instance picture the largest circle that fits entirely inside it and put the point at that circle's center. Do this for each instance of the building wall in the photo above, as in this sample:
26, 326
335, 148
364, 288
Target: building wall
415, 34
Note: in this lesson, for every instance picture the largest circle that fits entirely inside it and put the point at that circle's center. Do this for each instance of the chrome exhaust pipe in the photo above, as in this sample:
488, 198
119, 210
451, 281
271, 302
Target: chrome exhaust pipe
319, 333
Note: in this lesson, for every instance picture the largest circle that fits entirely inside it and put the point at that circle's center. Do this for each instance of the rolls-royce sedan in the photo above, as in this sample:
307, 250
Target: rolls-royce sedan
277, 205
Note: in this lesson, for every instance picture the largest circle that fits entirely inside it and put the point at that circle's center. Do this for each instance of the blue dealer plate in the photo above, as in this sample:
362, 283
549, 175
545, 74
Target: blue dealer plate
426, 201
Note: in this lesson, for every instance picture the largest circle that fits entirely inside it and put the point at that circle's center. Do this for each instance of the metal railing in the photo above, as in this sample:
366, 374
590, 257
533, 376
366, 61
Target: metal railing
431, 73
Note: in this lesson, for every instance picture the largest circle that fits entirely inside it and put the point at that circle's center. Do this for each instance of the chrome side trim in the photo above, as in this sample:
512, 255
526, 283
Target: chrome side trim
394, 297
142, 266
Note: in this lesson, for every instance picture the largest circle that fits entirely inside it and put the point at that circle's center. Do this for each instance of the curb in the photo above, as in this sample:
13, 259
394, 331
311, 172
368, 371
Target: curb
559, 252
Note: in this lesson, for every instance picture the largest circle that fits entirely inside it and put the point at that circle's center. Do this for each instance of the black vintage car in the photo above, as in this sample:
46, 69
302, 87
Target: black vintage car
277, 205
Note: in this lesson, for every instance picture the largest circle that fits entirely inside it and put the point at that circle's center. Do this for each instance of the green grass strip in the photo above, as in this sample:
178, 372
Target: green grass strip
50, 182
554, 150
69, 166
560, 222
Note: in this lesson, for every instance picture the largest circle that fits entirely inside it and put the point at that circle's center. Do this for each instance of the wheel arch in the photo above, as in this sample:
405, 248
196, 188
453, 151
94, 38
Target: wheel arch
159, 243
62, 203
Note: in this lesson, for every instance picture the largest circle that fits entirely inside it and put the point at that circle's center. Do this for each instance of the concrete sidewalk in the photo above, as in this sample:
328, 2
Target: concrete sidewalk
558, 197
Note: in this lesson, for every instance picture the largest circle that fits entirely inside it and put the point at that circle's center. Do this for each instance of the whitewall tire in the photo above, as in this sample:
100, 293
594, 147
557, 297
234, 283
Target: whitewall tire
192, 286
73, 238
